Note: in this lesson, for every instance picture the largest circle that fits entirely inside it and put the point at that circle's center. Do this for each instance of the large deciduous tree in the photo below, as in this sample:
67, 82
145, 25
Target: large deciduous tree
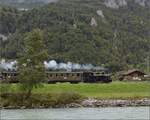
31, 67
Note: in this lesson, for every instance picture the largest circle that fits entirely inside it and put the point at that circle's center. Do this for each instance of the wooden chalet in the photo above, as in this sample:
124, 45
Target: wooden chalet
133, 74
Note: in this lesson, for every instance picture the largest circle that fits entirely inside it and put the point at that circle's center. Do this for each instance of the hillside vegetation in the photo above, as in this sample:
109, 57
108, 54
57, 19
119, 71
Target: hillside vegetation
82, 31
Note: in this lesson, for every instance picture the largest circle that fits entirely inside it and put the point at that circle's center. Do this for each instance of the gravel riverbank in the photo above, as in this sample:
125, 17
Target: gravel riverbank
93, 103
115, 103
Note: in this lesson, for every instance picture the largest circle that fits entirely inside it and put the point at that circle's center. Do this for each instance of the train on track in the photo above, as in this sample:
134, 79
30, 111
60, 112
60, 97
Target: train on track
62, 76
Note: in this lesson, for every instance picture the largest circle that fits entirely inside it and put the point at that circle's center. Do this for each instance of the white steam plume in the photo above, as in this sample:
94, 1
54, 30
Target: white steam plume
52, 65
8, 65
70, 66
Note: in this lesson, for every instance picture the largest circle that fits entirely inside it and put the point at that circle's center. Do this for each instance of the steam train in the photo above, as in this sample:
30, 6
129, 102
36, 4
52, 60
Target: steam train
62, 76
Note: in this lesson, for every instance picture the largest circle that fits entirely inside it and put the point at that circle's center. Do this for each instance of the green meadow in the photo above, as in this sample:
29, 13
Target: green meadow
114, 90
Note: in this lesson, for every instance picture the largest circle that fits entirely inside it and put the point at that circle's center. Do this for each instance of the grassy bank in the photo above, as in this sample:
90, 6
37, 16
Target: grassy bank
60, 95
114, 90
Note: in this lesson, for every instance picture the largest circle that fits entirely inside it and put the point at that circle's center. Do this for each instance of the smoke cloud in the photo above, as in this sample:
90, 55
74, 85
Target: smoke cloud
8, 65
70, 66
52, 65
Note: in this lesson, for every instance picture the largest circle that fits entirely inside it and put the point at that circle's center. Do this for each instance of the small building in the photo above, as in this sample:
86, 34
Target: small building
147, 77
134, 74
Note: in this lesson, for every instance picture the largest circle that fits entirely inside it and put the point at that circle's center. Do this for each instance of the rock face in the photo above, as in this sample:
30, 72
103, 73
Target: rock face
121, 3
143, 2
93, 22
115, 3
100, 13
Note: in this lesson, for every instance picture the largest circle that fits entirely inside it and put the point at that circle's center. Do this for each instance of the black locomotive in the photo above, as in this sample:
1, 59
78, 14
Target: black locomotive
62, 76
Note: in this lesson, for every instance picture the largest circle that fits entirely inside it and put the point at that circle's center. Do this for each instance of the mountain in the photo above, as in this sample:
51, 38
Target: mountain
109, 3
109, 33
25, 1
26, 4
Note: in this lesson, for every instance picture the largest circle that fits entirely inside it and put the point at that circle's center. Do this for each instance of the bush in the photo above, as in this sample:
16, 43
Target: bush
68, 97
36, 100
5, 88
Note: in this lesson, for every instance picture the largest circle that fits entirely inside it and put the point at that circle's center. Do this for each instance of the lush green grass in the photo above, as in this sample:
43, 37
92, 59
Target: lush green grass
112, 90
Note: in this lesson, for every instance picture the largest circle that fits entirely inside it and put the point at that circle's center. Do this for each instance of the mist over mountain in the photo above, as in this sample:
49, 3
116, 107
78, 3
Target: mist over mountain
108, 33
109, 3
26, 3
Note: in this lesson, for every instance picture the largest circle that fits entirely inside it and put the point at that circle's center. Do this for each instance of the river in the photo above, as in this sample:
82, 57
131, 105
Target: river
126, 113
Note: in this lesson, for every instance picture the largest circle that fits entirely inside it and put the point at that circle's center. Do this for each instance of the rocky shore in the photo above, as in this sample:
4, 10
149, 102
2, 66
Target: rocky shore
115, 103
92, 103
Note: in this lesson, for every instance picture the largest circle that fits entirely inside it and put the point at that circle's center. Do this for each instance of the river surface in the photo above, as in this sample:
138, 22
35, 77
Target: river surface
125, 113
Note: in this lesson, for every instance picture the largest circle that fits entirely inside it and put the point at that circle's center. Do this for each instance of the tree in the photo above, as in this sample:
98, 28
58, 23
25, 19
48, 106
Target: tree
31, 67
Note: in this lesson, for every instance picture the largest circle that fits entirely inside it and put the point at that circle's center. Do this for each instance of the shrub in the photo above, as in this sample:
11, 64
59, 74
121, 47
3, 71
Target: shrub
37, 100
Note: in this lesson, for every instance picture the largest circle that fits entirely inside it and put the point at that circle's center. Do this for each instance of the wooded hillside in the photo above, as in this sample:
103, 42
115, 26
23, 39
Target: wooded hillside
82, 31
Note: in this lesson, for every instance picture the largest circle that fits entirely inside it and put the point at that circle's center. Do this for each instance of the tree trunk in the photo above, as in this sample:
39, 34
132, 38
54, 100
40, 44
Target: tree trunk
28, 94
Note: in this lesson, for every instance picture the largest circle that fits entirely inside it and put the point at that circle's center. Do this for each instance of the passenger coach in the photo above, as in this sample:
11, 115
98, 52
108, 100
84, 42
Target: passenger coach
58, 76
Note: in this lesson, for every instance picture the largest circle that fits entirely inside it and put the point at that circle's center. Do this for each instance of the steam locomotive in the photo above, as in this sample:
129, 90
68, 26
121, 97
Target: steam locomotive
62, 76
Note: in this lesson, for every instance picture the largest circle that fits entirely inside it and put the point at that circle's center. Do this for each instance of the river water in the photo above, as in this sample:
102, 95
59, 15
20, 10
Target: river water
126, 113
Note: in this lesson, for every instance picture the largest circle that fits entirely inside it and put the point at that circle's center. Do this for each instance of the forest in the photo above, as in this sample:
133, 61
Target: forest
81, 31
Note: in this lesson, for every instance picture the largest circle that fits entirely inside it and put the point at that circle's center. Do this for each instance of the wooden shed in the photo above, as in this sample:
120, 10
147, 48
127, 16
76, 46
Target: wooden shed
133, 74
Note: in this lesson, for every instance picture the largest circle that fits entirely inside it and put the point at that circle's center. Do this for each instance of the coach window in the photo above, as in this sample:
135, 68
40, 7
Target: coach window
6, 75
50, 75
67, 74
78, 74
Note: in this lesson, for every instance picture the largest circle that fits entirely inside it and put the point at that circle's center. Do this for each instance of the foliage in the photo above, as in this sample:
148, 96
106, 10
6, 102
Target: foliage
45, 100
120, 41
31, 67
5, 88
8, 19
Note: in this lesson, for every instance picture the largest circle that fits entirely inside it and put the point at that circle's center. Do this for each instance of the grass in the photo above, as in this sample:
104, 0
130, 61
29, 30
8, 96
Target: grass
57, 95
114, 90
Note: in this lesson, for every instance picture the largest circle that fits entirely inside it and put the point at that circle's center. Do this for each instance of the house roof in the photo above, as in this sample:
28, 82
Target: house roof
131, 71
